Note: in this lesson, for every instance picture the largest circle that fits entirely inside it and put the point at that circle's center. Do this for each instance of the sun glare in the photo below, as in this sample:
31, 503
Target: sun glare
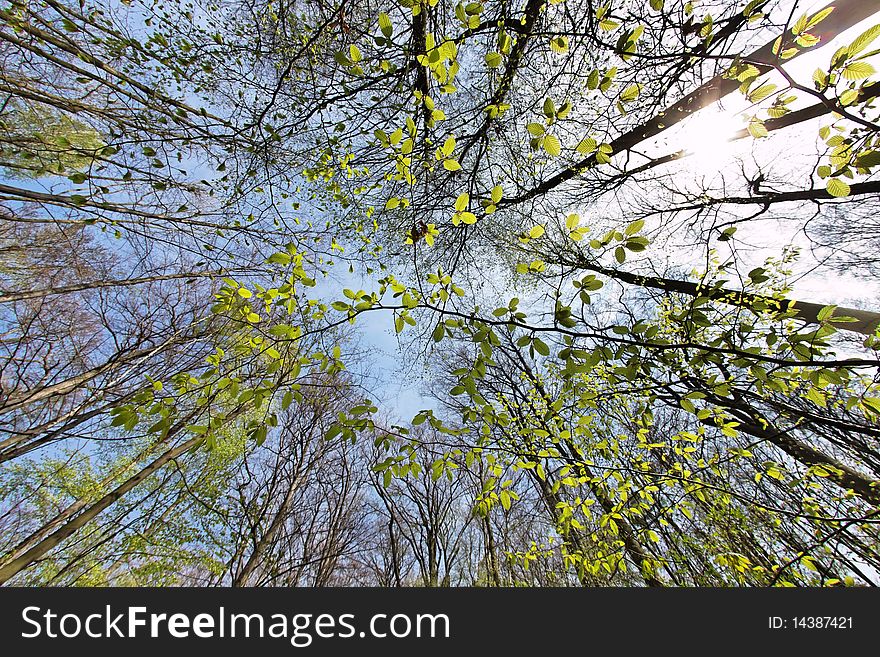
709, 134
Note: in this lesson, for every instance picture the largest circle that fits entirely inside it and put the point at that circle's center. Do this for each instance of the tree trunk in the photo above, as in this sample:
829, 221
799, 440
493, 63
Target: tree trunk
54, 539
866, 322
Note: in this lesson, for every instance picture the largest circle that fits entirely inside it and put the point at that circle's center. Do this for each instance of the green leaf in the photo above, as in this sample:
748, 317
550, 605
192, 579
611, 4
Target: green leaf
631, 93
603, 154
848, 97
836, 187
872, 405
448, 145
461, 202
858, 70
535, 129
826, 313
757, 129
334, 430
439, 332
280, 258
549, 108
493, 59
636, 243
726, 234
868, 159
385, 25
541, 347
761, 92
758, 275
536, 232
586, 145
818, 17
863, 40
559, 44
552, 145
634, 227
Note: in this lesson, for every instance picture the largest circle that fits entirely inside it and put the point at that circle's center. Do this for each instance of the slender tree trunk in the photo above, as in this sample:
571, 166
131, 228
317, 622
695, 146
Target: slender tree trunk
633, 547
866, 322
8, 297
491, 553
550, 500
77, 506
16, 401
258, 553
55, 538
841, 474
11, 448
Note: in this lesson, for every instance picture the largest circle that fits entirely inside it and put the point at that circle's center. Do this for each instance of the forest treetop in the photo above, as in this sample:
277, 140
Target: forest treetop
201, 203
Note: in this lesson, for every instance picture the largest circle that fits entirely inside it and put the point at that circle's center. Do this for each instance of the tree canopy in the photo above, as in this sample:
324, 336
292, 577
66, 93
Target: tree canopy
625, 252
